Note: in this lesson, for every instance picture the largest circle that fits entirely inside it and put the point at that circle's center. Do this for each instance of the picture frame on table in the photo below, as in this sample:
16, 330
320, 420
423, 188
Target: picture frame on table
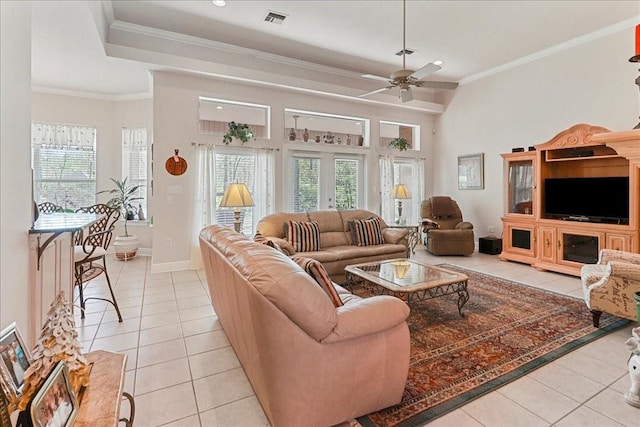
471, 172
55, 404
15, 359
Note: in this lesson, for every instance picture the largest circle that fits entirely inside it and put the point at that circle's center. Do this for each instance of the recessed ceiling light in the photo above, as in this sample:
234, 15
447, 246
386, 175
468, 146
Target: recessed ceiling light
219, 3
219, 107
438, 62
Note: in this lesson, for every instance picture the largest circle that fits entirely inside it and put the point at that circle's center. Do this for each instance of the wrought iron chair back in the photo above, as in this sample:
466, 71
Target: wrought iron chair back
48, 207
90, 252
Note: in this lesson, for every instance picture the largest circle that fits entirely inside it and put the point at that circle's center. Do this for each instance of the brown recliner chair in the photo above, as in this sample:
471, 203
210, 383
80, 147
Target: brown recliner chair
446, 232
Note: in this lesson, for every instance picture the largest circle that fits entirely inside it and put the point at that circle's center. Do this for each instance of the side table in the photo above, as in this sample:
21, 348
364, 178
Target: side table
412, 238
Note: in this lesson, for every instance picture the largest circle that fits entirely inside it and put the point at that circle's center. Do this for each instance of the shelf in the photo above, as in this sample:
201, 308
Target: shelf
570, 159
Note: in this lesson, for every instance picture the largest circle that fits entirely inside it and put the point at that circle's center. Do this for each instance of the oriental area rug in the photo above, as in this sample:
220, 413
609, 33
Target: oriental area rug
508, 330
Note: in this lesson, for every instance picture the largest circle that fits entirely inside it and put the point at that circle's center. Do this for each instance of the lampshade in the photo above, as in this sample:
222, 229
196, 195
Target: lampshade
236, 195
400, 191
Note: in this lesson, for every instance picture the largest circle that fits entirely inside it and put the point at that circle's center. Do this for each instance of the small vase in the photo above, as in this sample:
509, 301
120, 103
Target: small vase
348, 139
360, 140
305, 135
317, 138
292, 135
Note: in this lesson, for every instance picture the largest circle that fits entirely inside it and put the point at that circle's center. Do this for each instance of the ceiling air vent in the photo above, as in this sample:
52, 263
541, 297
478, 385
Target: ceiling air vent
406, 52
275, 17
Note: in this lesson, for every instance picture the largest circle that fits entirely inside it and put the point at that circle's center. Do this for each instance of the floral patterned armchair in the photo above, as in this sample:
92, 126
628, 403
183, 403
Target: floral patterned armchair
609, 285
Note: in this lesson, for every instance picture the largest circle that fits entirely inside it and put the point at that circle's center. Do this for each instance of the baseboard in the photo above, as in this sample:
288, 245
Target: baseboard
168, 267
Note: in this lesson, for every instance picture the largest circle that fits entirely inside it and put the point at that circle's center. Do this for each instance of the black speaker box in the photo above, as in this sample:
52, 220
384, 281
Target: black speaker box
490, 245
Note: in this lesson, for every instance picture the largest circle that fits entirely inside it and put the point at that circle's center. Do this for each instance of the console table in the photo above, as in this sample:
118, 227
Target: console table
51, 263
100, 405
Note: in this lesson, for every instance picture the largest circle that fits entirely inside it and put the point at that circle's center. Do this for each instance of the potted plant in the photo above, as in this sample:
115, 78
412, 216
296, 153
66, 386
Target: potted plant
400, 143
124, 195
239, 131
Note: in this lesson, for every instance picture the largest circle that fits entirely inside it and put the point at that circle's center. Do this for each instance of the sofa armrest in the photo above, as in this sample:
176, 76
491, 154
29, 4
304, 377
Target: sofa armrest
464, 225
608, 255
367, 316
395, 235
625, 270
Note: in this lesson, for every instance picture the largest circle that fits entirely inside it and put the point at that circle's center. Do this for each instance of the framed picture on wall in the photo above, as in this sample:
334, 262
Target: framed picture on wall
15, 359
471, 172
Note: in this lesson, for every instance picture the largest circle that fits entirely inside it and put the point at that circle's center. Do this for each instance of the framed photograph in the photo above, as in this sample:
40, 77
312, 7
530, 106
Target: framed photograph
471, 172
15, 361
55, 405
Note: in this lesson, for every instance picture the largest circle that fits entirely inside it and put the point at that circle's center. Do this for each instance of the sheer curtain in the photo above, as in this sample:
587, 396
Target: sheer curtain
204, 206
417, 189
263, 196
386, 185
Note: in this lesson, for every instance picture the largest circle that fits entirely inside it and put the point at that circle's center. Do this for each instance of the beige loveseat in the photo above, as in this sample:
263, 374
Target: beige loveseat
310, 363
337, 249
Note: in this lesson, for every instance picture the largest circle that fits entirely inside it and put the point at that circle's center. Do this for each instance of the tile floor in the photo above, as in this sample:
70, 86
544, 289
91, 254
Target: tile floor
183, 372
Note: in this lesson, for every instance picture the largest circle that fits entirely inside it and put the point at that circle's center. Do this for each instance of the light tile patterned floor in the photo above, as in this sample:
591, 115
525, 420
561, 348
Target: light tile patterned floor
183, 372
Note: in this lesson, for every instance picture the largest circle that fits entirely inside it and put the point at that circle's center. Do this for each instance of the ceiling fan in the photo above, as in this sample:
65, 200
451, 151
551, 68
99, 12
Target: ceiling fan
405, 79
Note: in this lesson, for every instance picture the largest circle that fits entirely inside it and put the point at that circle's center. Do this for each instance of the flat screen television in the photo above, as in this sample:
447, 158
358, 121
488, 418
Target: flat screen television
604, 199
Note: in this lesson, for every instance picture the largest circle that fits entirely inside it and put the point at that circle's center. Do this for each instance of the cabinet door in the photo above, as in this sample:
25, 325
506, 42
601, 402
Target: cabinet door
519, 239
520, 186
547, 244
619, 242
576, 248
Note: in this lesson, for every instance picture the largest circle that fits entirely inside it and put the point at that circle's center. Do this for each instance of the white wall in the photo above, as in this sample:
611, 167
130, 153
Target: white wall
592, 83
175, 113
16, 214
109, 117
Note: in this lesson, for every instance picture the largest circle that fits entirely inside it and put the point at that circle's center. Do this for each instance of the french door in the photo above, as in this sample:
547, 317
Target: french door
325, 181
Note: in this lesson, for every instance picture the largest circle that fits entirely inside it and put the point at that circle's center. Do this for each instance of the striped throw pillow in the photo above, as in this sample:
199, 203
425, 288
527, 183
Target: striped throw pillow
303, 236
366, 232
316, 270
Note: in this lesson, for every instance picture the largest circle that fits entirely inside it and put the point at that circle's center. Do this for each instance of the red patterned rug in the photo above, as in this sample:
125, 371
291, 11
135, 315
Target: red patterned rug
508, 330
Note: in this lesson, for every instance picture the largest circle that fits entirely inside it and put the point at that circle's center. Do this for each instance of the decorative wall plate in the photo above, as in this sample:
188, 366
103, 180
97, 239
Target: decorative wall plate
175, 164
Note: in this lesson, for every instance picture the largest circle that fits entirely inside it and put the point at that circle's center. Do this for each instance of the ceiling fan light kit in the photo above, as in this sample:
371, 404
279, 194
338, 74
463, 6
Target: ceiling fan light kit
406, 78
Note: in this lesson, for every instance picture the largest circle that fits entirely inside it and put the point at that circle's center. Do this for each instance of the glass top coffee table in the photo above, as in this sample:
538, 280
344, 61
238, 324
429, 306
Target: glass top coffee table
410, 280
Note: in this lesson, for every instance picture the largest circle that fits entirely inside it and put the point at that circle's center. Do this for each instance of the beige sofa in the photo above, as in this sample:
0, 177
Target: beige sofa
336, 243
310, 363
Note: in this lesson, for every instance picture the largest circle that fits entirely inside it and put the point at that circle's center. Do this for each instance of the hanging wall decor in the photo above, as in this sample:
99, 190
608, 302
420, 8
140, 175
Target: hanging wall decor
175, 164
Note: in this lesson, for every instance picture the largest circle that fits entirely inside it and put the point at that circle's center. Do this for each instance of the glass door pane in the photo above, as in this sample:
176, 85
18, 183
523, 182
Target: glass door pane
346, 183
305, 177
521, 187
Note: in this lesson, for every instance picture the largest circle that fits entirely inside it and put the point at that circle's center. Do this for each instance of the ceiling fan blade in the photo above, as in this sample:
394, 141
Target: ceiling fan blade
406, 95
374, 77
373, 92
425, 71
438, 85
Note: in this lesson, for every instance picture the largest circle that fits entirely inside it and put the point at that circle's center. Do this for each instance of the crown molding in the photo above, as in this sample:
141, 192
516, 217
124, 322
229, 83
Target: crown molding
90, 95
569, 44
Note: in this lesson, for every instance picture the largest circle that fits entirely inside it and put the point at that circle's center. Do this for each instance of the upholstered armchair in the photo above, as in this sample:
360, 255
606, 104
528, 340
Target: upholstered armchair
610, 284
446, 233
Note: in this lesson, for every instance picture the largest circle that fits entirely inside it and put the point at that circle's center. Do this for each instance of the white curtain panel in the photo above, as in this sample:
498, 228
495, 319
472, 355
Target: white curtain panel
417, 189
63, 136
386, 185
263, 196
204, 209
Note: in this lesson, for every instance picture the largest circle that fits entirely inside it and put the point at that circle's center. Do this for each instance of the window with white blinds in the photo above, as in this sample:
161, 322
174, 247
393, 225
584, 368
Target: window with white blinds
230, 168
305, 175
63, 159
135, 166
346, 178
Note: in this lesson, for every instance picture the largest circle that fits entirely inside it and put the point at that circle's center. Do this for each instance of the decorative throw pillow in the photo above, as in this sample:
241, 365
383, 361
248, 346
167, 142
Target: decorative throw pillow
366, 232
316, 270
303, 236
259, 238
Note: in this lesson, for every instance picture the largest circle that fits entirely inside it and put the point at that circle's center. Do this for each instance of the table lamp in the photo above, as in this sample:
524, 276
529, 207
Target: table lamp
399, 192
236, 196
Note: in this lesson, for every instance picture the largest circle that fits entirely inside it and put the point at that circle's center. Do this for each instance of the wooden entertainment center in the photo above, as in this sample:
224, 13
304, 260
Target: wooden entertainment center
566, 244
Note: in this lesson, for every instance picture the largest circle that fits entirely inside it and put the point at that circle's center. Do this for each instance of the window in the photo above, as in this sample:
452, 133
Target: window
216, 114
305, 175
307, 126
325, 181
391, 130
63, 158
346, 177
134, 165
230, 168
